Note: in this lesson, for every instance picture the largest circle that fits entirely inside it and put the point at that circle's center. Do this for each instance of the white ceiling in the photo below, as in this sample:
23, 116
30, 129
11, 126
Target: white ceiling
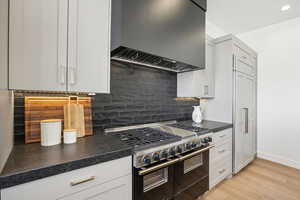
239, 16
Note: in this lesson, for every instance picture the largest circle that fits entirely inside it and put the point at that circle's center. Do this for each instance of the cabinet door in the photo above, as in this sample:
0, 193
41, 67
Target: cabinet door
3, 43
109, 177
120, 188
199, 83
244, 120
89, 46
208, 82
38, 44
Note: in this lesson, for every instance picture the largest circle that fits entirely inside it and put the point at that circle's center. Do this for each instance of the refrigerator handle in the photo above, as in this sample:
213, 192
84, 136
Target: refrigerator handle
246, 120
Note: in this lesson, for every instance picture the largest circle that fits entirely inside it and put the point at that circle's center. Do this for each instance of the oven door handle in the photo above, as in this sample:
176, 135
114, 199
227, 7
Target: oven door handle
183, 158
158, 167
171, 162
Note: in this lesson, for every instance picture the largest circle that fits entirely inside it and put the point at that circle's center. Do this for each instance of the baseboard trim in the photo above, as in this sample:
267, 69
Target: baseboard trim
279, 159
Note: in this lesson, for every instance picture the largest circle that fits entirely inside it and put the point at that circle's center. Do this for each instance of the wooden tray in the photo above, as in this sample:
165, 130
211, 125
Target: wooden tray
43, 108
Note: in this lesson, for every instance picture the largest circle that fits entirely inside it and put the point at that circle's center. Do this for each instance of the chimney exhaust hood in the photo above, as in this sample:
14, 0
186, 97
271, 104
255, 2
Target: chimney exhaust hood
162, 34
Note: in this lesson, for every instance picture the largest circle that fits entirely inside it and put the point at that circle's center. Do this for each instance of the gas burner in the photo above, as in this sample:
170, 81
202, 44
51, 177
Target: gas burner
158, 143
143, 138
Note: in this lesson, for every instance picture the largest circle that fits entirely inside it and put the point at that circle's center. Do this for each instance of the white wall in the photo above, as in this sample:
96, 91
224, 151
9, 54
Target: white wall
6, 126
278, 47
214, 31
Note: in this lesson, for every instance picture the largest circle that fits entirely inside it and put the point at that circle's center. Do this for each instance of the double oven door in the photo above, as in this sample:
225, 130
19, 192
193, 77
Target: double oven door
182, 178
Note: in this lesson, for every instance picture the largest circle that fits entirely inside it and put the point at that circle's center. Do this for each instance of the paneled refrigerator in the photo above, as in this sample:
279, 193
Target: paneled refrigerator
235, 96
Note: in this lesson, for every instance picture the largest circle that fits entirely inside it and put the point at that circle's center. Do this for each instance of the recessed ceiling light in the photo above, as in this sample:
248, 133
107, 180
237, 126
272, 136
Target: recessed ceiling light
285, 7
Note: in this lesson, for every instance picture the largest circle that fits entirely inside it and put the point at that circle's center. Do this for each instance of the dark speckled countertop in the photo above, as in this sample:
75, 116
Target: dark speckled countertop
31, 162
213, 126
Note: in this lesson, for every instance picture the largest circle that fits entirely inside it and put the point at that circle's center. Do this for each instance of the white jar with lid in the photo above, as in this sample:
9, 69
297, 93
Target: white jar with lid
50, 132
70, 136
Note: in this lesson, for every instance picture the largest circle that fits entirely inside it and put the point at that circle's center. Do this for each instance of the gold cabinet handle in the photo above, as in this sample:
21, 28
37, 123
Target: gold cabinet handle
157, 167
74, 183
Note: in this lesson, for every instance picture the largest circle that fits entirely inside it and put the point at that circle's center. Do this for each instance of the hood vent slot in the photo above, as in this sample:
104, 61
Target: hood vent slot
128, 55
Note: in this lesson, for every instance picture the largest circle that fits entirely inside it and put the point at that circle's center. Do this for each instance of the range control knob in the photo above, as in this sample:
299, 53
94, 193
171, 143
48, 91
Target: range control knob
164, 154
156, 157
209, 139
147, 160
179, 149
206, 140
172, 151
188, 146
194, 145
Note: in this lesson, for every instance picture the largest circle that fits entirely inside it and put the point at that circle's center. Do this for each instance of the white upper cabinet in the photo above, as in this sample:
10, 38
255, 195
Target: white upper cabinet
38, 45
60, 45
199, 83
89, 46
3, 43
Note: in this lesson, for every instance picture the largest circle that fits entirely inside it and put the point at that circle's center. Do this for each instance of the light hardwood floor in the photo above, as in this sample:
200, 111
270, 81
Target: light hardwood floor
261, 180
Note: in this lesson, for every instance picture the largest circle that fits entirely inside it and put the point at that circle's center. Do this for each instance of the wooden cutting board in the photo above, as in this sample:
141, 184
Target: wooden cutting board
43, 108
74, 117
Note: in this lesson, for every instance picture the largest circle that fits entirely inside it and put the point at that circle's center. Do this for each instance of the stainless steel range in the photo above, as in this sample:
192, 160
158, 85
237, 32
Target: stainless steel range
170, 161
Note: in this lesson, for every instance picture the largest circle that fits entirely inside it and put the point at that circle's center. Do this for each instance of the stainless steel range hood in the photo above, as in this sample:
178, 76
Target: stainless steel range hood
162, 34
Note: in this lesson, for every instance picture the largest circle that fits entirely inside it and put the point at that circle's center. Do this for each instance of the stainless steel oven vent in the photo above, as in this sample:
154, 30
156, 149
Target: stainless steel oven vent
128, 55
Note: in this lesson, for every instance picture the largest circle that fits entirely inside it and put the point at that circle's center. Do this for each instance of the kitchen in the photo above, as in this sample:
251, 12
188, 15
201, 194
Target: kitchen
138, 100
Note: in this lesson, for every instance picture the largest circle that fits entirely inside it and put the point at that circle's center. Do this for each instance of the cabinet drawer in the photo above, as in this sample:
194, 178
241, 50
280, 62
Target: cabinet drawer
244, 62
221, 151
120, 188
71, 182
222, 137
245, 68
244, 56
220, 170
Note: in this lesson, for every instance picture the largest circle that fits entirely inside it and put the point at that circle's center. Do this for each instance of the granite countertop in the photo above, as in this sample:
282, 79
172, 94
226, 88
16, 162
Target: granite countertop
213, 126
31, 162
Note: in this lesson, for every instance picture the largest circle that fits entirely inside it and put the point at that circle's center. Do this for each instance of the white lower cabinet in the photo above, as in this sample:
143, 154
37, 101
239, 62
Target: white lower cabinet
220, 161
116, 189
105, 181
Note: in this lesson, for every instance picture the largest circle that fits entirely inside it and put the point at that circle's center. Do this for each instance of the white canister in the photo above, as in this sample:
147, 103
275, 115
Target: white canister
70, 136
50, 132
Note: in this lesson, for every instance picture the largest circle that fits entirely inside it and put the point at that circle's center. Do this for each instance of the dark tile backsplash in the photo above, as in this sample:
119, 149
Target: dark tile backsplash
138, 95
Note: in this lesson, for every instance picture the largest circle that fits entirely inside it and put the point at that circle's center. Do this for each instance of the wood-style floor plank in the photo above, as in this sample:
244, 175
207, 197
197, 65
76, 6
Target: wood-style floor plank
261, 180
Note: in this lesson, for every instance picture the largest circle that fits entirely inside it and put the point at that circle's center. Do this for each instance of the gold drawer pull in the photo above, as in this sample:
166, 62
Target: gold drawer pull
74, 183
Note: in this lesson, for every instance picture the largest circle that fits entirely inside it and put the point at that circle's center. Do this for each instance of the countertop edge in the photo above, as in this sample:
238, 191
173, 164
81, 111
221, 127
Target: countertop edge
218, 129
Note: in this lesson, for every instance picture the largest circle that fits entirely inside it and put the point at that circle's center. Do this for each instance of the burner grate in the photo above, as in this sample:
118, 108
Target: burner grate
145, 137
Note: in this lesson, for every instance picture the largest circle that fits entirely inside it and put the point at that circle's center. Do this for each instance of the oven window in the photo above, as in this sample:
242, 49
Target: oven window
193, 163
155, 179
